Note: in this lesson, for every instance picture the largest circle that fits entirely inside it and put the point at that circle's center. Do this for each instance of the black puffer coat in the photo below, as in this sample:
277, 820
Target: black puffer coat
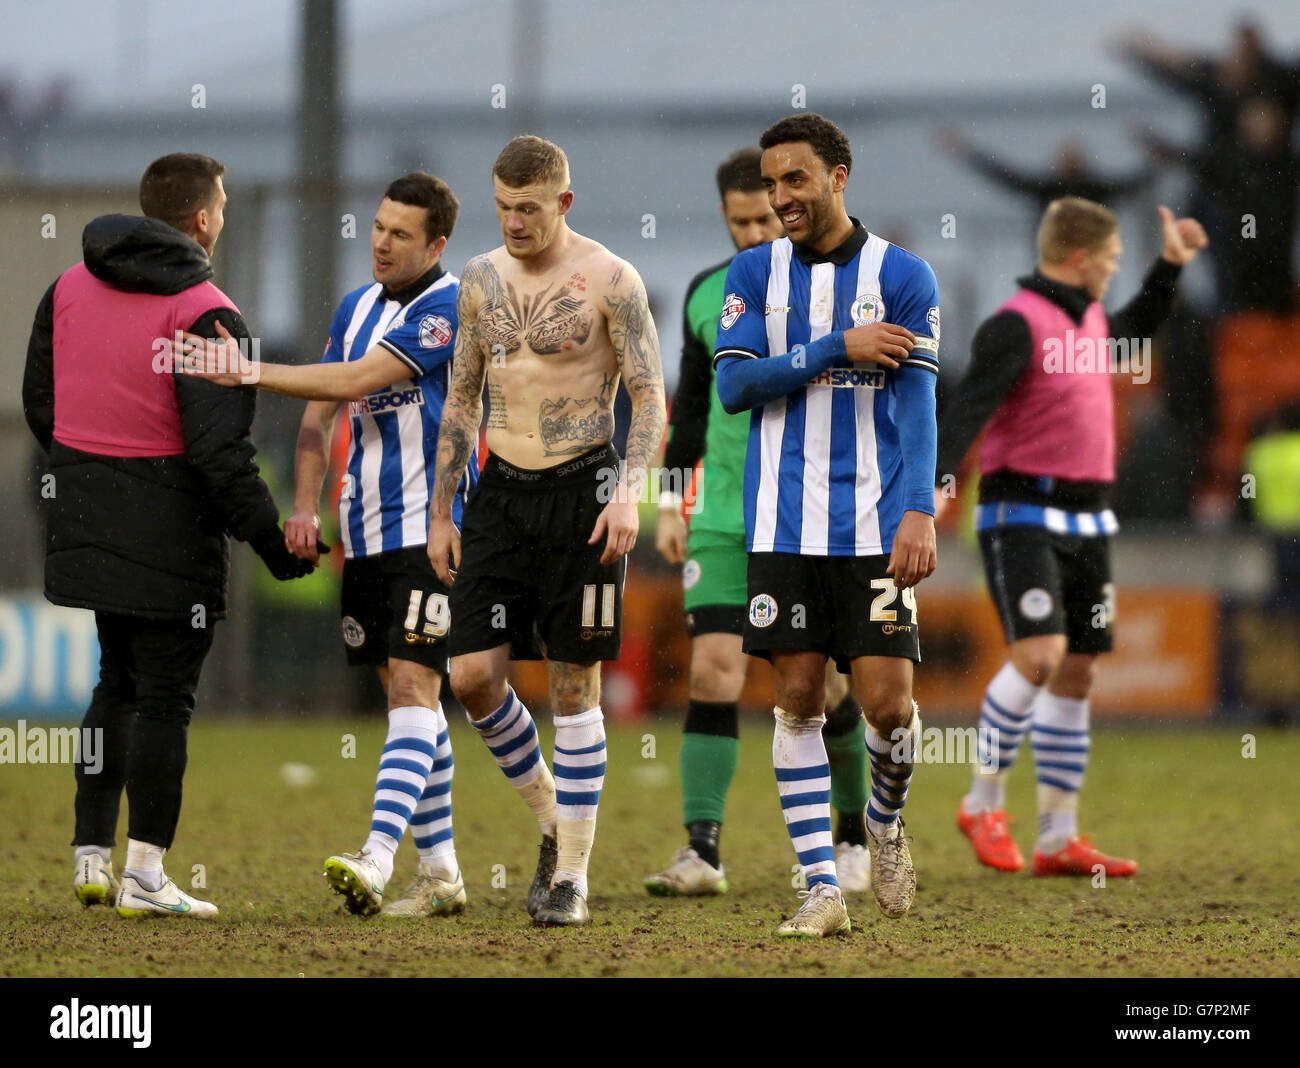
146, 536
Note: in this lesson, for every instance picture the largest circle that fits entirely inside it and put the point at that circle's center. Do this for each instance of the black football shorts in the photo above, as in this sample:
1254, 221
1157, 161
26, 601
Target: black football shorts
843, 606
1048, 583
527, 576
394, 605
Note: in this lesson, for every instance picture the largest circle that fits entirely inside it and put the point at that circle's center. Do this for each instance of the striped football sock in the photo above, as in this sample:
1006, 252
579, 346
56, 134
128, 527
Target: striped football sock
431, 821
579, 776
1004, 717
892, 761
403, 768
1060, 739
803, 781
511, 735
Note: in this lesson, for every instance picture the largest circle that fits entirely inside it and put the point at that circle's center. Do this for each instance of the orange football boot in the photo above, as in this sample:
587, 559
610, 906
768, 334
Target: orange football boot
1079, 857
988, 833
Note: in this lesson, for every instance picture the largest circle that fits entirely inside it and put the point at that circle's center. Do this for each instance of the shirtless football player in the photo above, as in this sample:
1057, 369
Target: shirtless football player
549, 321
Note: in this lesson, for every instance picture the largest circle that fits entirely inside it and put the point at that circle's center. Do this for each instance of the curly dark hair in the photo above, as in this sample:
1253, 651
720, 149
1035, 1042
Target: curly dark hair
827, 140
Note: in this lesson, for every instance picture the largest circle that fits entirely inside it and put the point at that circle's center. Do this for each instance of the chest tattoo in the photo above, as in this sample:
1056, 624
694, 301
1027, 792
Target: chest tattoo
550, 322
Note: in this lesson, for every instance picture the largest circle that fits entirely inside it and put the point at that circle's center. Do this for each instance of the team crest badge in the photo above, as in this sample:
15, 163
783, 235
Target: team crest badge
762, 611
867, 309
1036, 604
354, 634
435, 331
690, 574
732, 309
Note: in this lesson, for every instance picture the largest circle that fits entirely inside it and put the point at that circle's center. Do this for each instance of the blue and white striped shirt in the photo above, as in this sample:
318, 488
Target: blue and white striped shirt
393, 452
826, 473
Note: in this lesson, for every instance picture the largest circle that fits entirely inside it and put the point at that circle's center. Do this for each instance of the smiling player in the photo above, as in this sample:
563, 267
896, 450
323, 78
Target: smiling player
830, 335
714, 580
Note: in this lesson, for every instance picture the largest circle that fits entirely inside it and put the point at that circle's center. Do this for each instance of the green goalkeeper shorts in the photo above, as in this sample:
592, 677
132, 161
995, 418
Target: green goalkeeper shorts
715, 573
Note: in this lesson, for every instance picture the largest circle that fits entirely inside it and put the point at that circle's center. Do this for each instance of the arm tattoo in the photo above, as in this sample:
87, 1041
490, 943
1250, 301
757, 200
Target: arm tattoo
636, 344
463, 408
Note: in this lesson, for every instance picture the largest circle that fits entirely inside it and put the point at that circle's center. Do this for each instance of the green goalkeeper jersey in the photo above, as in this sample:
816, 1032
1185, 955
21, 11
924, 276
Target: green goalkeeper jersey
700, 426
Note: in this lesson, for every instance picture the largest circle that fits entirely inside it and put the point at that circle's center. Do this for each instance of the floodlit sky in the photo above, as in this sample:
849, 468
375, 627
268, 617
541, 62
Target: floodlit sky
146, 53
115, 50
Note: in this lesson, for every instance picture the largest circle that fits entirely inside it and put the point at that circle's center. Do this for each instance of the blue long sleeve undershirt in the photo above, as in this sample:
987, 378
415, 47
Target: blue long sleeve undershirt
918, 436
747, 383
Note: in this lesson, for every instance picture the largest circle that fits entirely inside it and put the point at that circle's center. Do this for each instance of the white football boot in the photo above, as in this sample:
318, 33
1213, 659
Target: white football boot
135, 902
357, 877
853, 868
94, 883
822, 913
429, 896
892, 876
687, 876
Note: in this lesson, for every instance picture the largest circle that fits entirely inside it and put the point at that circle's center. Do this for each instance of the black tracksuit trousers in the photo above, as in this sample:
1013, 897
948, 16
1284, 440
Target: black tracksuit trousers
148, 672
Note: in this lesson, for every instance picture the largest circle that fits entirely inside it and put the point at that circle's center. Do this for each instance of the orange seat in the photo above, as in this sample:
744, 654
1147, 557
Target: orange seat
1256, 371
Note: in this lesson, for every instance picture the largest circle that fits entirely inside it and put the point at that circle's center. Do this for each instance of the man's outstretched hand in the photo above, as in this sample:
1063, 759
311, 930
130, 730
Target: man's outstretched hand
302, 536
221, 361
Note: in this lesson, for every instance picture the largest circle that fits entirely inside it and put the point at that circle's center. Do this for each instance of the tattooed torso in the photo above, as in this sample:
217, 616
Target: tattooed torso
550, 368
548, 347
557, 319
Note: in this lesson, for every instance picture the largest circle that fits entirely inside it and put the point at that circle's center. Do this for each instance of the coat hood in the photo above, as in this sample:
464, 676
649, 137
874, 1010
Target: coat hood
142, 255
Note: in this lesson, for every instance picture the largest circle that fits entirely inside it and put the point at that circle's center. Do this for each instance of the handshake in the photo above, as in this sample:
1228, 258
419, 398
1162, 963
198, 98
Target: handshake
283, 564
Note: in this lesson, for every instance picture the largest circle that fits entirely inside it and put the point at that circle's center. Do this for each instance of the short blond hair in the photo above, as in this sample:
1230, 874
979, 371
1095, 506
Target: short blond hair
1074, 223
531, 160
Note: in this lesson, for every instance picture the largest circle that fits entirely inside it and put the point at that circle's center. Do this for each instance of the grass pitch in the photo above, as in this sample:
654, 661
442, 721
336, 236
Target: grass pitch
1213, 831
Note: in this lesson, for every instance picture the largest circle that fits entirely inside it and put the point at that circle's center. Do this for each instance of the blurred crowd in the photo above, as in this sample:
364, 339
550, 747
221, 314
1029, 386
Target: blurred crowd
1228, 370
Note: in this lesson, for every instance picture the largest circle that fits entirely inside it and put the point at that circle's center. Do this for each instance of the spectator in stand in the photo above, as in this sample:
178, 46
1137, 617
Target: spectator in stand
1253, 185
1070, 175
1229, 89
1222, 86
